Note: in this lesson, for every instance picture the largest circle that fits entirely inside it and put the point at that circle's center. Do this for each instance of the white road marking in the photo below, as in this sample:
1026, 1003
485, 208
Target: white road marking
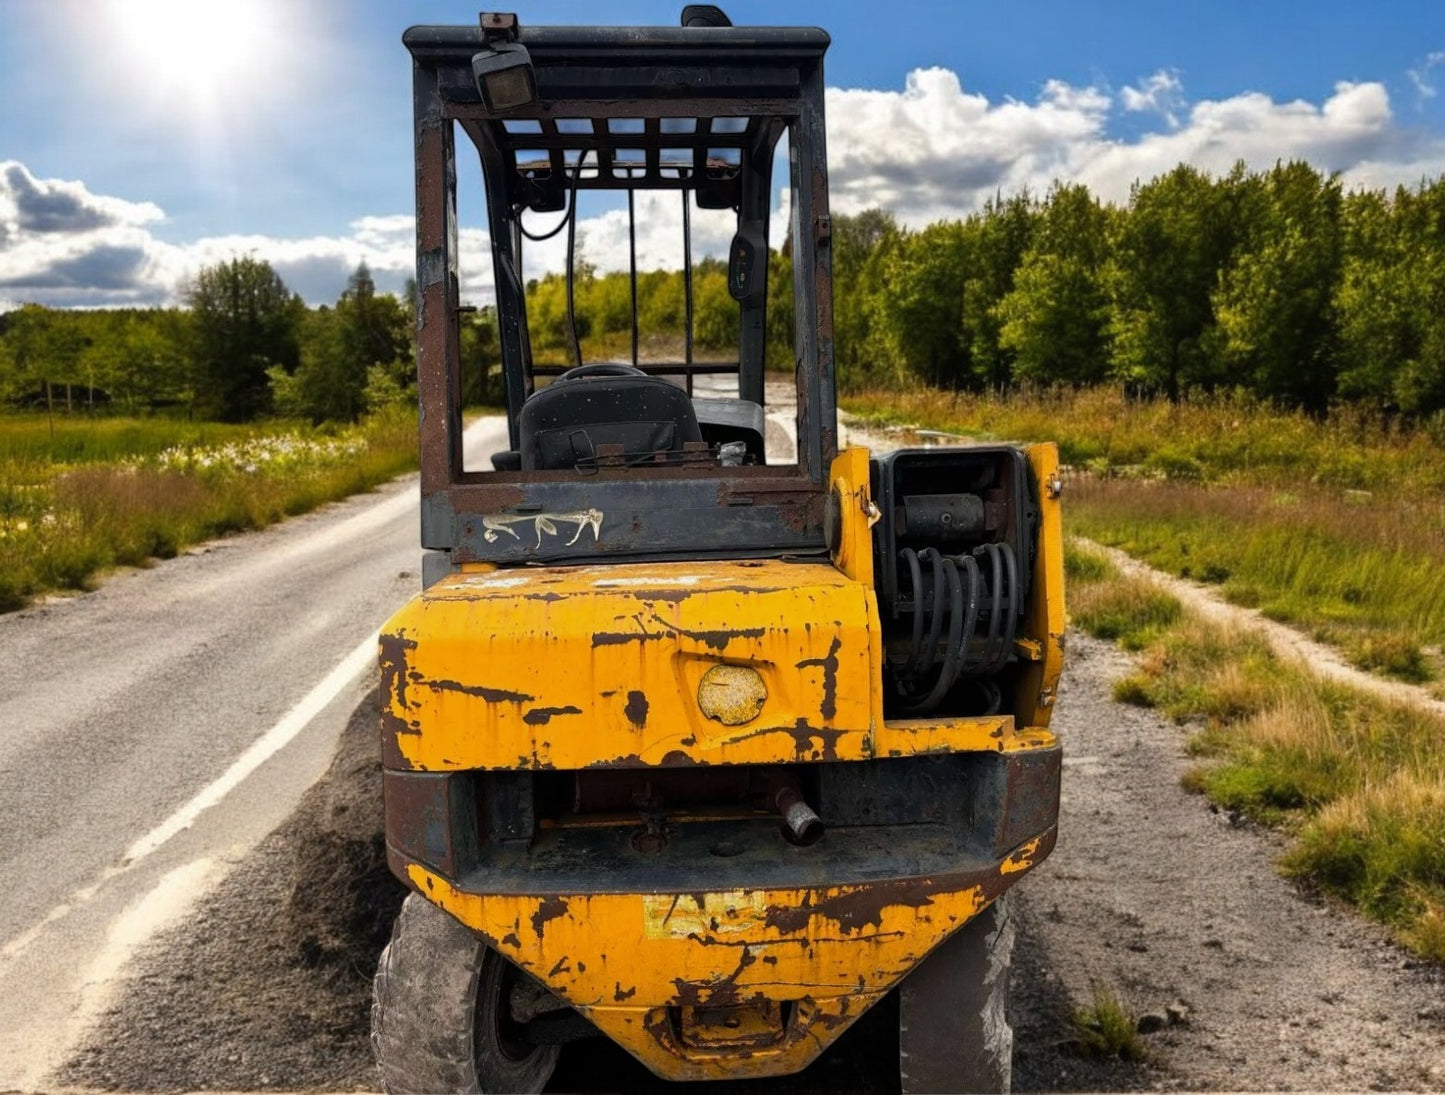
266, 746
164, 905
271, 742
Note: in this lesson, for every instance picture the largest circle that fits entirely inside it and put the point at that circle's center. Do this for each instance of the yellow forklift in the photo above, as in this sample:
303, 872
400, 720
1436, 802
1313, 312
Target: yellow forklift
686, 745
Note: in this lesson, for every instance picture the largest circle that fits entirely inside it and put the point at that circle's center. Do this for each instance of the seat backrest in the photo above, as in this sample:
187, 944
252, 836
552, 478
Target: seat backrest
565, 422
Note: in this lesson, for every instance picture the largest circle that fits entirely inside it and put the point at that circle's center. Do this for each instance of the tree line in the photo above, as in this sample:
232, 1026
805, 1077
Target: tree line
1275, 283
243, 347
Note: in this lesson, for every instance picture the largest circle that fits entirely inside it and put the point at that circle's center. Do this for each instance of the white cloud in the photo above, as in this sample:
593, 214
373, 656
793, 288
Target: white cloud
934, 150
1160, 94
928, 151
1420, 77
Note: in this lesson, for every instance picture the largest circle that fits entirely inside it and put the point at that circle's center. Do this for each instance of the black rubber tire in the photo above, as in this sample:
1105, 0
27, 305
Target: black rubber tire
440, 1012
953, 1031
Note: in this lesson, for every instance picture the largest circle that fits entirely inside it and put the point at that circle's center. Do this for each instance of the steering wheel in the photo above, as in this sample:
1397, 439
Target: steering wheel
600, 368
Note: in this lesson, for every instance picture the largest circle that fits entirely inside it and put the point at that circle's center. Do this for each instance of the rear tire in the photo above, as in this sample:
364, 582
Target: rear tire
441, 1013
953, 1033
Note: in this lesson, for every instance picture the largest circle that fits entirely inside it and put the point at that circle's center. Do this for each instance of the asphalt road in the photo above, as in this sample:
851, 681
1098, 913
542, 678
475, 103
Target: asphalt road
153, 731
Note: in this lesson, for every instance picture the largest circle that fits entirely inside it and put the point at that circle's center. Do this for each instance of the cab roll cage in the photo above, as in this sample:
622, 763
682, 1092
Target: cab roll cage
694, 109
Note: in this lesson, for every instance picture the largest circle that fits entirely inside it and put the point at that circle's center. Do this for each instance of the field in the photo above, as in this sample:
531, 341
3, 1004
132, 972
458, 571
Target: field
85, 495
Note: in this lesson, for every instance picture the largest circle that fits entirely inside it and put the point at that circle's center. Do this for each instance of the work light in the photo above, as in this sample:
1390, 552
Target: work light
504, 76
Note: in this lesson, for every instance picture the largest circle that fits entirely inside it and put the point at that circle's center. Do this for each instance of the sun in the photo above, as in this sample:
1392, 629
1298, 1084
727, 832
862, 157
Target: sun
196, 50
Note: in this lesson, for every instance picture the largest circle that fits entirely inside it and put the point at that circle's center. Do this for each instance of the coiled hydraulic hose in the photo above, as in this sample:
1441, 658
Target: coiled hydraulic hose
960, 594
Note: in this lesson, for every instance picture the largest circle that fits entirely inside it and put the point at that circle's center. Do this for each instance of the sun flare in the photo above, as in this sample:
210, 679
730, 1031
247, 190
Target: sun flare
199, 48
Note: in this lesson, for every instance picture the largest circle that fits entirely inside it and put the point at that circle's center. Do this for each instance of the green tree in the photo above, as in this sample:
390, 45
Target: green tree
861, 245
1171, 244
916, 304
998, 238
1055, 317
1275, 302
781, 351
1391, 300
245, 321
44, 348
339, 348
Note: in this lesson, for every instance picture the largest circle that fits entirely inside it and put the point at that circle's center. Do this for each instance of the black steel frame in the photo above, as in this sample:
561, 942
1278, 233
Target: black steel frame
771, 75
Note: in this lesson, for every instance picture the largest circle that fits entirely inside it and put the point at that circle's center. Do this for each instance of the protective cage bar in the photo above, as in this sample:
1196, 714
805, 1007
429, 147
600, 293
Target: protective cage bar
685, 510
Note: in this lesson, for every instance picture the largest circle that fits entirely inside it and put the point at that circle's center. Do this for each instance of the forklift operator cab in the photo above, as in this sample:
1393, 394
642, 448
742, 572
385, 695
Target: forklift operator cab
681, 747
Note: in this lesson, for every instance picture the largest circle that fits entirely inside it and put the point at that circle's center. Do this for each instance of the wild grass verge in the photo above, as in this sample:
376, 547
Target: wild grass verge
1357, 782
1362, 575
140, 490
1335, 525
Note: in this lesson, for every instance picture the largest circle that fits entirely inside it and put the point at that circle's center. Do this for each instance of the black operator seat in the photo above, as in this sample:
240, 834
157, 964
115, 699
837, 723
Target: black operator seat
585, 408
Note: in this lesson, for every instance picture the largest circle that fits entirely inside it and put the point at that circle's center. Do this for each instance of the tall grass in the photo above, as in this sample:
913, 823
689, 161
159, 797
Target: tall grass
88, 439
1335, 525
1216, 440
1364, 574
1358, 782
135, 490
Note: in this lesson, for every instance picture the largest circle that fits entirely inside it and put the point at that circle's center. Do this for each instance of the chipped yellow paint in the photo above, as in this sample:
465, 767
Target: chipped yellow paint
849, 477
729, 914
1022, 859
1039, 682
648, 1036
576, 667
622, 959
1031, 650
731, 694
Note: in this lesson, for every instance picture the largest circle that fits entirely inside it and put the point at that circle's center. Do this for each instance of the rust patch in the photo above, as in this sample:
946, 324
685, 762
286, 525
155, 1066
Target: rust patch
719, 992
511, 940
393, 656
541, 716
491, 695
863, 907
716, 639
619, 994
619, 638
392, 651
732, 694
829, 664
550, 909
636, 709
560, 967
789, 919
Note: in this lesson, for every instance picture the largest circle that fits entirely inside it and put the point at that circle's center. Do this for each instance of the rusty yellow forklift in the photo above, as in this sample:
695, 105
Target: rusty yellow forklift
686, 744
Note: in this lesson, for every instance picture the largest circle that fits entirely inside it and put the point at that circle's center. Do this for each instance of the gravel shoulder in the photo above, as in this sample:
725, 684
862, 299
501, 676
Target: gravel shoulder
1152, 892
1149, 892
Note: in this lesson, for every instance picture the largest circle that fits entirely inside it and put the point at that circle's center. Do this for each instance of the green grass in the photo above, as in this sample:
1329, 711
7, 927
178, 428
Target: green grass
1365, 579
103, 493
1358, 782
1130, 613
1334, 526
1217, 441
1107, 1027
87, 439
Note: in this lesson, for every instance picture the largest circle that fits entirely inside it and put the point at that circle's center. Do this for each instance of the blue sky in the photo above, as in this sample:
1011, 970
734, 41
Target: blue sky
141, 139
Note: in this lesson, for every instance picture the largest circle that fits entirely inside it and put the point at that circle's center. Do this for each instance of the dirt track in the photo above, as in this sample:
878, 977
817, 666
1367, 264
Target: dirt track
1148, 892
